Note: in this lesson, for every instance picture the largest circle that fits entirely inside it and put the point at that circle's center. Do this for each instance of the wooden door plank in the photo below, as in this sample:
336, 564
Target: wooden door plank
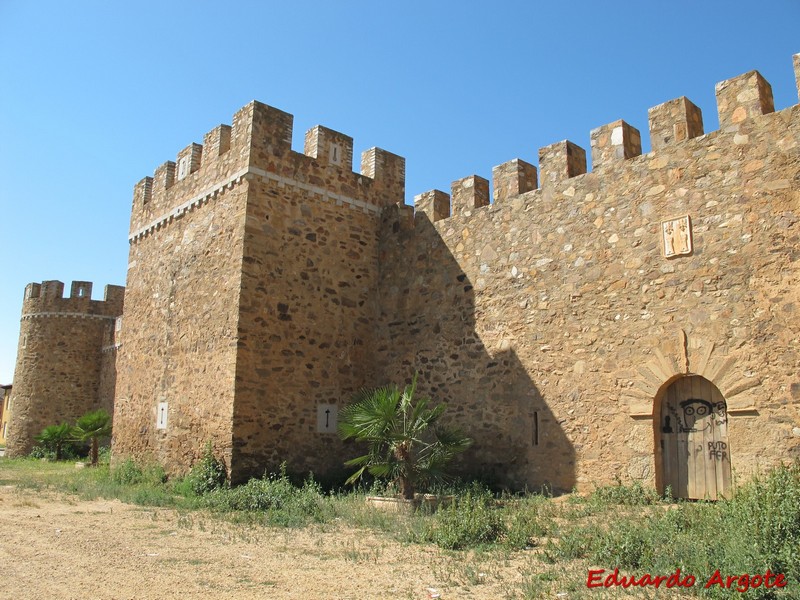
724, 464
684, 389
668, 450
709, 441
697, 470
720, 442
681, 441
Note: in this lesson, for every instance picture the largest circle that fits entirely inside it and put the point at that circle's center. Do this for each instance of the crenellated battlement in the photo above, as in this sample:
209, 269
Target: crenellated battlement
258, 145
741, 101
47, 299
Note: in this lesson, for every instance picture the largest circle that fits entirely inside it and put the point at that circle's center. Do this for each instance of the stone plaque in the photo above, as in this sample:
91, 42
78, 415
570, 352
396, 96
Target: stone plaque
676, 236
327, 418
161, 416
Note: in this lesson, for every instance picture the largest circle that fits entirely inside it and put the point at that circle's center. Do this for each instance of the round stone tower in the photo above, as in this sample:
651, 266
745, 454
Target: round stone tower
65, 358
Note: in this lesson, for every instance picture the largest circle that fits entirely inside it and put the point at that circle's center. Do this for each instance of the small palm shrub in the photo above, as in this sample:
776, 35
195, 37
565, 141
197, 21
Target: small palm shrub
92, 427
406, 444
53, 439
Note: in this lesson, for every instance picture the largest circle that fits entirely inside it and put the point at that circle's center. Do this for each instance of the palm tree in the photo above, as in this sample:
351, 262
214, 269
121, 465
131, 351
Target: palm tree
406, 444
55, 437
91, 427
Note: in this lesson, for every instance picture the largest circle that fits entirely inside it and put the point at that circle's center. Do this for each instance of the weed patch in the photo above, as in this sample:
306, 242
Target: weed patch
207, 475
757, 529
280, 502
471, 520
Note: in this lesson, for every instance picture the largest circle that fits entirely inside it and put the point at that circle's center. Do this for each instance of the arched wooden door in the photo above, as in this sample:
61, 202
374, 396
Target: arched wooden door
695, 453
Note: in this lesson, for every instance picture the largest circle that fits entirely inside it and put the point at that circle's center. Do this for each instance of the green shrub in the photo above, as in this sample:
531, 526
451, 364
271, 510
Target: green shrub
207, 475
104, 455
276, 496
763, 524
70, 451
471, 520
132, 473
525, 524
42, 452
577, 542
149, 495
127, 473
757, 529
626, 495
624, 544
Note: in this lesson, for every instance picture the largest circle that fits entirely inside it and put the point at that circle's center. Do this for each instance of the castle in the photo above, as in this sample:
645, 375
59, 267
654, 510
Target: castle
633, 322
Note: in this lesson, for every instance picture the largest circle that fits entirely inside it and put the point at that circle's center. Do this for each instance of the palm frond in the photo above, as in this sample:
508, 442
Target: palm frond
452, 439
355, 476
96, 424
359, 460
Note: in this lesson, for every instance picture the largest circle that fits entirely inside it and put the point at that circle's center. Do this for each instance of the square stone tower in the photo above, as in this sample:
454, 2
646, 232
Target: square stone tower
251, 296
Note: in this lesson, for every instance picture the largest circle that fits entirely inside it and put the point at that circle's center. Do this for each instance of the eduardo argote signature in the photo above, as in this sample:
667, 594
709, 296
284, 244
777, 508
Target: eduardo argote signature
740, 583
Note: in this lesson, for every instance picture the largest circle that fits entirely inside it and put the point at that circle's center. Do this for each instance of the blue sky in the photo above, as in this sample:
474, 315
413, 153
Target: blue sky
96, 94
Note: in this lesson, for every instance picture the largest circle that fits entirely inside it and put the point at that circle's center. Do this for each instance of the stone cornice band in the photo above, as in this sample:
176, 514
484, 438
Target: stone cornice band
234, 180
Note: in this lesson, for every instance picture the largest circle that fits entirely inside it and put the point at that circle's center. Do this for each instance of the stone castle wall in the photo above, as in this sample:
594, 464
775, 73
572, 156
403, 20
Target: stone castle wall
265, 286
65, 359
551, 320
177, 360
308, 305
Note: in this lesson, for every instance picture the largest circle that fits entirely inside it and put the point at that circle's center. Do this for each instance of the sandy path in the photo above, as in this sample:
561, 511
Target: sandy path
57, 547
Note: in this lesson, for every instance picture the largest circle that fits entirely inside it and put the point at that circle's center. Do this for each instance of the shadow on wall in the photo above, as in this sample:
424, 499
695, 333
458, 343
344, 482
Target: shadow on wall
428, 321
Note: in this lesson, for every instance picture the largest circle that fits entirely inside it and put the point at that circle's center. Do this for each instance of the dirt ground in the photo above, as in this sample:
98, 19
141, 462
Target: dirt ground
62, 548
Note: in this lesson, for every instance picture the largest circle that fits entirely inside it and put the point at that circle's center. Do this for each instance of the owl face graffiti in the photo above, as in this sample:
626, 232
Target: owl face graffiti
684, 417
695, 412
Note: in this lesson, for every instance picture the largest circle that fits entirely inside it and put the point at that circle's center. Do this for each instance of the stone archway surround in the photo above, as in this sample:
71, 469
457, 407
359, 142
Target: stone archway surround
684, 356
681, 356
